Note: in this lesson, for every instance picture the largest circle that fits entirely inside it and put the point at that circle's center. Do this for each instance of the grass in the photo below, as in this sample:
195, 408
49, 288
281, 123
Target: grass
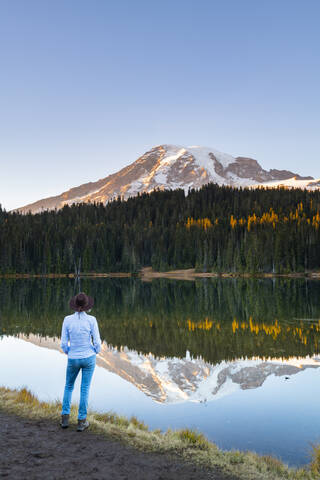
315, 464
188, 444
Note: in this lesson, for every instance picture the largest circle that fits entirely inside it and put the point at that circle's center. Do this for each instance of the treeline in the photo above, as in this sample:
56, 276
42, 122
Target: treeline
218, 229
216, 319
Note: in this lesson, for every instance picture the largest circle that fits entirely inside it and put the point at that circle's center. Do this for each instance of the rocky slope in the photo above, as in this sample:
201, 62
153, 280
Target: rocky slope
171, 167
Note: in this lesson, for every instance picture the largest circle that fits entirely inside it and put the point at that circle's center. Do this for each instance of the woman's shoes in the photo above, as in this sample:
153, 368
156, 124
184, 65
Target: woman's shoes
64, 421
82, 425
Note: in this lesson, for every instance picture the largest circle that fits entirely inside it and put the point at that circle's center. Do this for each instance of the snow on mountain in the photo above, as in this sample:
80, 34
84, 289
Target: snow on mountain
176, 380
293, 182
171, 167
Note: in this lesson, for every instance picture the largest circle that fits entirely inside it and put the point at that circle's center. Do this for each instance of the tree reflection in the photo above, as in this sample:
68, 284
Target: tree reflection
216, 319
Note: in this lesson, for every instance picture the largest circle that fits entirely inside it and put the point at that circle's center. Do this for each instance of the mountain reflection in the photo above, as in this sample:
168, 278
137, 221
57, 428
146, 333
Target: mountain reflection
175, 380
215, 320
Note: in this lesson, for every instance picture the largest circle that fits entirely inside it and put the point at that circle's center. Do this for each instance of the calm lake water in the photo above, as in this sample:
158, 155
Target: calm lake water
235, 359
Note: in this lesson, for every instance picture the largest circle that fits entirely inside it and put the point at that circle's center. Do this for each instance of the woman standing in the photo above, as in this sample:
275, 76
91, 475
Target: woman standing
80, 340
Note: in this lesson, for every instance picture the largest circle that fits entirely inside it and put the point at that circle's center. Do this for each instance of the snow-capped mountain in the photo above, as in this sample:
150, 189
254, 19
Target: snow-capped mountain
171, 167
176, 380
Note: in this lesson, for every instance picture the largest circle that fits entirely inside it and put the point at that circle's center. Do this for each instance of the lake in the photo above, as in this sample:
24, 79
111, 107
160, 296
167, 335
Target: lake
237, 359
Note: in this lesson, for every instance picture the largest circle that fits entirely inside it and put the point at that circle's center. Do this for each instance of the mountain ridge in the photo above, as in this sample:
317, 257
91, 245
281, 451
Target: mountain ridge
170, 167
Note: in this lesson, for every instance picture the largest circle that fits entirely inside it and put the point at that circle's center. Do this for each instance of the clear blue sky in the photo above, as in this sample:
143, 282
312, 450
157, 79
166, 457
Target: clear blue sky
89, 85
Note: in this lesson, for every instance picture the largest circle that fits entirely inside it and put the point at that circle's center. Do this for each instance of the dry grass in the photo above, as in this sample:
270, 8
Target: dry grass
121, 421
197, 440
315, 463
188, 444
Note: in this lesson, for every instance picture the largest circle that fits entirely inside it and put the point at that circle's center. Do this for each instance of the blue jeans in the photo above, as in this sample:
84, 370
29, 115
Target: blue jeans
73, 368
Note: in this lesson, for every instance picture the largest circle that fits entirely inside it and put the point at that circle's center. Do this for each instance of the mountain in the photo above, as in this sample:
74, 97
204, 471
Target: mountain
177, 380
171, 167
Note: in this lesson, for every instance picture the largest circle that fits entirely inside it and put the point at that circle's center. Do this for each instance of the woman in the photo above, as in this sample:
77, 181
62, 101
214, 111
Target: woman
80, 340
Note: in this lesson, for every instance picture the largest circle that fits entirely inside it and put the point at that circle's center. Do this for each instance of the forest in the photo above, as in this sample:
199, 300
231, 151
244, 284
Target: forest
214, 229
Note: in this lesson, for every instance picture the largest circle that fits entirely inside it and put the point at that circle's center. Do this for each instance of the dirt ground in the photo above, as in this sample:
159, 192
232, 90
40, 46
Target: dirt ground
31, 450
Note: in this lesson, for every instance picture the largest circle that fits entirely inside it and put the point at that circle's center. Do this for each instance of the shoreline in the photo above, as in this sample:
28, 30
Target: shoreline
147, 274
187, 446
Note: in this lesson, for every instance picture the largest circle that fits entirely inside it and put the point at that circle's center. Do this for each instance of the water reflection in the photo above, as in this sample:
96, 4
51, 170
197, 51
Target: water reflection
249, 345
176, 380
213, 319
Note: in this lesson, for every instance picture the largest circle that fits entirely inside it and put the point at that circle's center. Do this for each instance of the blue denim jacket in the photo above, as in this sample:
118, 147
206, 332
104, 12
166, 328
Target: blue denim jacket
80, 336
